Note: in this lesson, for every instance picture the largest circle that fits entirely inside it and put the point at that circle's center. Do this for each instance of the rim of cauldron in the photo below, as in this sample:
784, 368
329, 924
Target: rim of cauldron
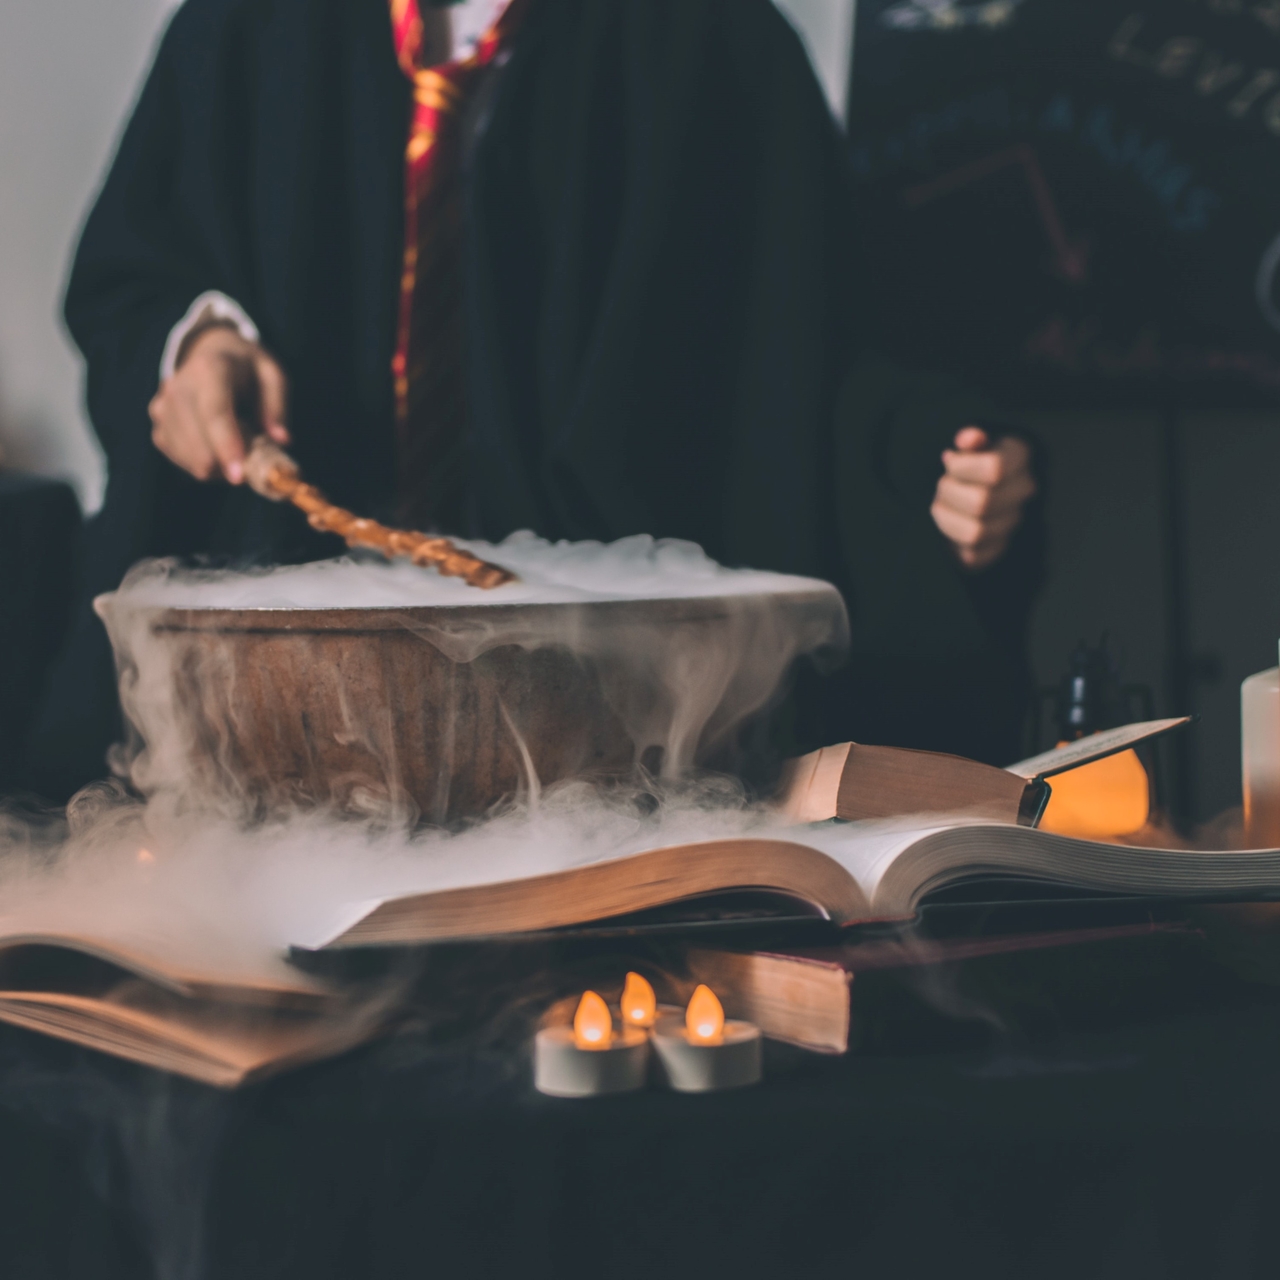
674, 609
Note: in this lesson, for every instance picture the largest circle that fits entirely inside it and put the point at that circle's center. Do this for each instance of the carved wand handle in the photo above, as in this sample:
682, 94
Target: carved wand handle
272, 473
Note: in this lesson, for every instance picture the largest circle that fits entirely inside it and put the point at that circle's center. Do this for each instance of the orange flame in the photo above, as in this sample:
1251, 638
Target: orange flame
592, 1024
146, 858
639, 1004
704, 1018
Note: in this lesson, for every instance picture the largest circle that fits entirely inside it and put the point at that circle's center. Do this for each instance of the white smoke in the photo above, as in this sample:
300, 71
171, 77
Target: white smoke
217, 901
386, 689
199, 862
635, 568
192, 868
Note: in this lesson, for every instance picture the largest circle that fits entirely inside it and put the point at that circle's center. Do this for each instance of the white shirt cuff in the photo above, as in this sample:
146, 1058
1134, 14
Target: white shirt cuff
208, 306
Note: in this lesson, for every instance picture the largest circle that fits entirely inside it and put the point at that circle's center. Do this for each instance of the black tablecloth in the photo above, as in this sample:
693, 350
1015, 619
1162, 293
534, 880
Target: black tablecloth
1082, 1117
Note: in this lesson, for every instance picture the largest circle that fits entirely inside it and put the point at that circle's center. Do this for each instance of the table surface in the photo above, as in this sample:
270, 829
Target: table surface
1098, 1110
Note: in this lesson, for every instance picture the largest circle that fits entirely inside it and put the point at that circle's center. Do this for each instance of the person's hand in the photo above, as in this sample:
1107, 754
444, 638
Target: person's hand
979, 500
223, 390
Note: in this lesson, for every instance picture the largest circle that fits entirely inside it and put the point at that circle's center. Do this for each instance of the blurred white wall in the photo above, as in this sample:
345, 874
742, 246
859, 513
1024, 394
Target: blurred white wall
68, 72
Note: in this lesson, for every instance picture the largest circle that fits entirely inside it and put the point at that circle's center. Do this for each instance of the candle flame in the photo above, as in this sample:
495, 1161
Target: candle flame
592, 1024
704, 1018
639, 1004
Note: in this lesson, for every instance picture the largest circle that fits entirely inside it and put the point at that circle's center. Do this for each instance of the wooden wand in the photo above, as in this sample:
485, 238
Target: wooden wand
272, 473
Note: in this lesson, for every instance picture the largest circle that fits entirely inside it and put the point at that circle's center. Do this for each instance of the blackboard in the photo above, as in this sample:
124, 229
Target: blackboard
1074, 201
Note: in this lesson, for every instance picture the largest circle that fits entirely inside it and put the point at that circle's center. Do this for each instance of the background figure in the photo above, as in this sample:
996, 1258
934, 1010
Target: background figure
1075, 205
644, 268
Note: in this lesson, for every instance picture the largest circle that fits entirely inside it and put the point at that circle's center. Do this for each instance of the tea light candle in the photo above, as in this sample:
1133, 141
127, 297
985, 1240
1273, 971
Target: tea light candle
590, 1059
701, 1051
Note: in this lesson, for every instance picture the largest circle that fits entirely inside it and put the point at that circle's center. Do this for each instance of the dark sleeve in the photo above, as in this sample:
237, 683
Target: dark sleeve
909, 591
939, 654
671, 288
162, 230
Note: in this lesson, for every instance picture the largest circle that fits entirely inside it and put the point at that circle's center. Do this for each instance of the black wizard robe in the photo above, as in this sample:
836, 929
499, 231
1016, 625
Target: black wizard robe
664, 321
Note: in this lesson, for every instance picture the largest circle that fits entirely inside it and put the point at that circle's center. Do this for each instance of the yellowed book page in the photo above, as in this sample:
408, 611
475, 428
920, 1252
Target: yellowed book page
272, 981
211, 1043
811, 785
636, 882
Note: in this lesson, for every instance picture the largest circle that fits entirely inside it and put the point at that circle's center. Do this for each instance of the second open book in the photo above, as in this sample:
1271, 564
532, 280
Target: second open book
862, 834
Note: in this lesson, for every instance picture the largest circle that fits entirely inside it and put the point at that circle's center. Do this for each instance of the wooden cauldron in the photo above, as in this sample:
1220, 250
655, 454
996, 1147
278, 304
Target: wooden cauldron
441, 712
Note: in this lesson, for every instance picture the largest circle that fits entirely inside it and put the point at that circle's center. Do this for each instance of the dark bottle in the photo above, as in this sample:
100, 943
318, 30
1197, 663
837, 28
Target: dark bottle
1088, 697
1110, 798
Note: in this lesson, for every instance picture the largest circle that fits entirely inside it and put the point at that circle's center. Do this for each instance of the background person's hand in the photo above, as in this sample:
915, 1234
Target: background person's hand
979, 501
223, 391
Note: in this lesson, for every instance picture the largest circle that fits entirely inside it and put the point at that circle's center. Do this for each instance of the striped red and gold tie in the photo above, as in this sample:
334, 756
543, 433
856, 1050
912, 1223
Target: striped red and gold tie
429, 363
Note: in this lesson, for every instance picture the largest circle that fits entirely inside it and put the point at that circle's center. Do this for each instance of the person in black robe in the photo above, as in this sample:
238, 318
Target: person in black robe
664, 332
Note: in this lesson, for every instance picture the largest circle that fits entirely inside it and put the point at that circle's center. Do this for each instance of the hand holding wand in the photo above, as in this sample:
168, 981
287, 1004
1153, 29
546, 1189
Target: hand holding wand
270, 472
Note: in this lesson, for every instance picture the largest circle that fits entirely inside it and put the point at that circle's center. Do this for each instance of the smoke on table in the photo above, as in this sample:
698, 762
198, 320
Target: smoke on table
213, 898
157, 863
216, 900
211, 881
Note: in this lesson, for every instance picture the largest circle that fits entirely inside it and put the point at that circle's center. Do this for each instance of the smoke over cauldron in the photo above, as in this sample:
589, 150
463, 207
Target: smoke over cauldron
386, 690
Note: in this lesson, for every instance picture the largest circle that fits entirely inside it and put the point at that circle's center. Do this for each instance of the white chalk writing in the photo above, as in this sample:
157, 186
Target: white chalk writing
1178, 56
947, 15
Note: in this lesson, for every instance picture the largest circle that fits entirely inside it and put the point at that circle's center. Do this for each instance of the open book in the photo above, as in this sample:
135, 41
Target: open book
967, 821
235, 1020
850, 874
222, 1029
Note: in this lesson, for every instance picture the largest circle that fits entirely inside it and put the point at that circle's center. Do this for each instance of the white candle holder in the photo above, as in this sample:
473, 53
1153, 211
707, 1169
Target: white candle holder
692, 1066
563, 1069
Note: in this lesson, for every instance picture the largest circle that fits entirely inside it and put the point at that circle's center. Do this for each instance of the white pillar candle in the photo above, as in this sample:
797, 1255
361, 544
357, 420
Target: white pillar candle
1260, 758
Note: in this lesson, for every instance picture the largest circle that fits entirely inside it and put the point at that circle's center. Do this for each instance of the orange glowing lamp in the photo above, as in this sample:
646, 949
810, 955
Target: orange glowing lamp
704, 1018
639, 1004
1102, 800
592, 1024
